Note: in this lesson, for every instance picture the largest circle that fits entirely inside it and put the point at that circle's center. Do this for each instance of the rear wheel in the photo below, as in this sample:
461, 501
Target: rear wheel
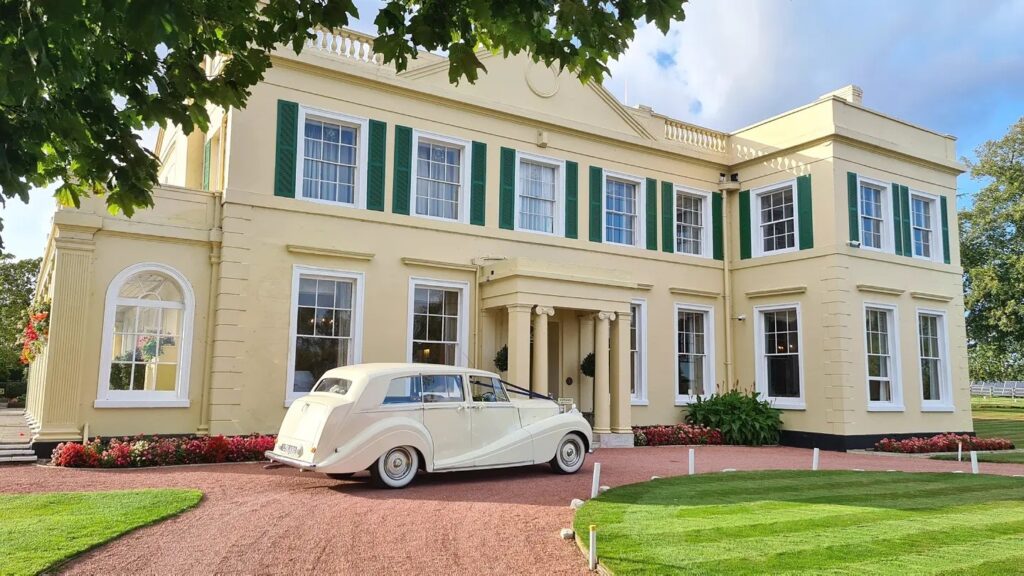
396, 468
569, 455
344, 476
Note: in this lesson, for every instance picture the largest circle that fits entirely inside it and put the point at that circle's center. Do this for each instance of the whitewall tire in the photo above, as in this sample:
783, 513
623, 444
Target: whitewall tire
396, 468
569, 455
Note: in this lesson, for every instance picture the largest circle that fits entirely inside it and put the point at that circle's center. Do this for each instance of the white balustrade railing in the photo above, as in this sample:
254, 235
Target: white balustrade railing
695, 136
346, 44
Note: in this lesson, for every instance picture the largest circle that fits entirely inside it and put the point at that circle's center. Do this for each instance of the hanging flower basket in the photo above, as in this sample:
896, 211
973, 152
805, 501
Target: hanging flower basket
35, 331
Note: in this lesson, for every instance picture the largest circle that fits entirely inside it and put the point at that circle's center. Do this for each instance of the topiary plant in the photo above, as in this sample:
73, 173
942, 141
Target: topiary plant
742, 418
587, 366
501, 359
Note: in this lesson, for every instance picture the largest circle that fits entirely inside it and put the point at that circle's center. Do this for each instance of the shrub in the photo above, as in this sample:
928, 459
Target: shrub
942, 443
587, 366
155, 451
675, 435
501, 359
741, 418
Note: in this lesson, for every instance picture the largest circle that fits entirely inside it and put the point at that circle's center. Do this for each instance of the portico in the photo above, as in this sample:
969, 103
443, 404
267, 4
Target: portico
551, 318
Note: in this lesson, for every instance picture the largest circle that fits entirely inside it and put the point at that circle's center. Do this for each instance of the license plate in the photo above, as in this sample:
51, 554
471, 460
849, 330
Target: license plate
290, 450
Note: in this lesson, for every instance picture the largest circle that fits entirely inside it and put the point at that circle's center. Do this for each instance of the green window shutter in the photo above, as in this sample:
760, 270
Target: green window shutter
207, 148
376, 165
806, 211
402, 178
478, 185
745, 224
852, 204
652, 214
717, 244
596, 190
945, 229
897, 220
287, 133
908, 248
668, 223
572, 203
507, 190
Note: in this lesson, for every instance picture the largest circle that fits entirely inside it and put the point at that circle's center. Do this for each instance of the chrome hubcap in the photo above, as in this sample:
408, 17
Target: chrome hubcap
397, 464
570, 453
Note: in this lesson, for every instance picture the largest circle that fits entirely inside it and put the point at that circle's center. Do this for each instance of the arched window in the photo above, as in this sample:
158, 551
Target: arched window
147, 336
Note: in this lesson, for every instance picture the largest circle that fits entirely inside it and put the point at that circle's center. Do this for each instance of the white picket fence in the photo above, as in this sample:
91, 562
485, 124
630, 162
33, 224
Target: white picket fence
1010, 389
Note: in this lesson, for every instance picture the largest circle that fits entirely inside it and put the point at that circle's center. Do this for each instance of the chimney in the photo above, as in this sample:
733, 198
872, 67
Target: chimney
850, 93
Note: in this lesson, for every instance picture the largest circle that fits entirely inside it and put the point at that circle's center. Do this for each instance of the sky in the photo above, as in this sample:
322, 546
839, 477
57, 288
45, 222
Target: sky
951, 66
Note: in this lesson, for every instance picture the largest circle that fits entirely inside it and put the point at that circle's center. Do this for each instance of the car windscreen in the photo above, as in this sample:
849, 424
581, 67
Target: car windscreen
333, 385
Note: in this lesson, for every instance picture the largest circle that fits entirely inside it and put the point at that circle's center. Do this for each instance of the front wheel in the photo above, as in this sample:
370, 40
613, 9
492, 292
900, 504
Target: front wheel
569, 455
396, 468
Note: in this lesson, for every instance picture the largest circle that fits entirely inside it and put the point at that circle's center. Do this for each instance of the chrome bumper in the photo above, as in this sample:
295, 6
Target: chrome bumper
288, 461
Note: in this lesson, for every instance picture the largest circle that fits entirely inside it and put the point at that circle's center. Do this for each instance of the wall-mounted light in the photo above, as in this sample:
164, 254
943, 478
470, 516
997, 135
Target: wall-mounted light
854, 243
741, 317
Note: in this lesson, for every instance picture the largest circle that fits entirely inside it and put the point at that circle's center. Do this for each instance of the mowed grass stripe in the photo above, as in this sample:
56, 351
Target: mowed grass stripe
936, 560
837, 548
642, 531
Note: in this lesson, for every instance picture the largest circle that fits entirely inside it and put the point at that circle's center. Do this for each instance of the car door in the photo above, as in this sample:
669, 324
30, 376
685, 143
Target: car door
448, 419
498, 438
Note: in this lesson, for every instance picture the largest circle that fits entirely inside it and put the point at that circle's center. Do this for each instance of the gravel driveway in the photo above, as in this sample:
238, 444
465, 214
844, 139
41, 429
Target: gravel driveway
281, 521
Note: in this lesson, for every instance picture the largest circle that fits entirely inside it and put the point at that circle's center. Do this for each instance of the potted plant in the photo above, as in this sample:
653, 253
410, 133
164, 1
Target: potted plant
501, 359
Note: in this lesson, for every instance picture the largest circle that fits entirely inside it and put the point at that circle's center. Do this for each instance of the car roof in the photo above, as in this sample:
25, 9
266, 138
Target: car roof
378, 369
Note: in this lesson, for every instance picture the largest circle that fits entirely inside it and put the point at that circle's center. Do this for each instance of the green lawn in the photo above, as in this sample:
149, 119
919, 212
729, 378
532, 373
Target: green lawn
999, 418
40, 531
802, 522
999, 457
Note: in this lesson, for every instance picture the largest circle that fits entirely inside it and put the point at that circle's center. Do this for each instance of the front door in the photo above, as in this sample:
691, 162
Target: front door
497, 435
446, 415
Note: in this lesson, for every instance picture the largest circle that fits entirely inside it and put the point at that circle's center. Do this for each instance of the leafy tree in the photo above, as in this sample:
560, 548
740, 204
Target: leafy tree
992, 252
17, 283
81, 77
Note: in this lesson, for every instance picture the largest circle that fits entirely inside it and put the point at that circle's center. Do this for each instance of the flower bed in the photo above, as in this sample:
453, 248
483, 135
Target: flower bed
942, 443
155, 451
675, 435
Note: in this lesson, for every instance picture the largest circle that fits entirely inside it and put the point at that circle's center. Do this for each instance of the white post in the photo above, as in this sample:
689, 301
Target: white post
974, 462
814, 459
593, 547
959, 451
692, 467
597, 480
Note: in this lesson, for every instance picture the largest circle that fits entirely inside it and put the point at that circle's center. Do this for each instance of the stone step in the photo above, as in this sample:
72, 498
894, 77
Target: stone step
11, 459
15, 445
19, 452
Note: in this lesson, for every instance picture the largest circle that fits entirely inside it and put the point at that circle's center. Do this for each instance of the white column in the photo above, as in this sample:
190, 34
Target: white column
519, 344
539, 383
602, 397
621, 374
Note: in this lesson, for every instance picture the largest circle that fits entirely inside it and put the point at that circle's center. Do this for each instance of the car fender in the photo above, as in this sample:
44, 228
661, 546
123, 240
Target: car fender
364, 448
548, 432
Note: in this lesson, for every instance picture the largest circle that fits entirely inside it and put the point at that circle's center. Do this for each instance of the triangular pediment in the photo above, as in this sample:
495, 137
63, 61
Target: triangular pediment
528, 87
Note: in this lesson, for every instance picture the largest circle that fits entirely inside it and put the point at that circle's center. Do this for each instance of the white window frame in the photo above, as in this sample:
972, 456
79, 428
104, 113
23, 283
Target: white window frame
559, 166
705, 240
356, 349
895, 369
710, 386
462, 347
755, 218
362, 126
639, 235
888, 226
107, 398
945, 370
761, 374
464, 174
936, 229
640, 397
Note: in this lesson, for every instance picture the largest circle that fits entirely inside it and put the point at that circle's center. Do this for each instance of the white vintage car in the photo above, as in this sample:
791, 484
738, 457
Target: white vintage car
396, 419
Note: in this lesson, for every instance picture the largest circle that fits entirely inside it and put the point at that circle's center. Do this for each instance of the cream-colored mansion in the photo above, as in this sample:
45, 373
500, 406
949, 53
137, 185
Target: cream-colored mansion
351, 214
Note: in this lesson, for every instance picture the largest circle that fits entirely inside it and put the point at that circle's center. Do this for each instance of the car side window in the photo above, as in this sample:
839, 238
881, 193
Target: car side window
404, 390
442, 388
485, 389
